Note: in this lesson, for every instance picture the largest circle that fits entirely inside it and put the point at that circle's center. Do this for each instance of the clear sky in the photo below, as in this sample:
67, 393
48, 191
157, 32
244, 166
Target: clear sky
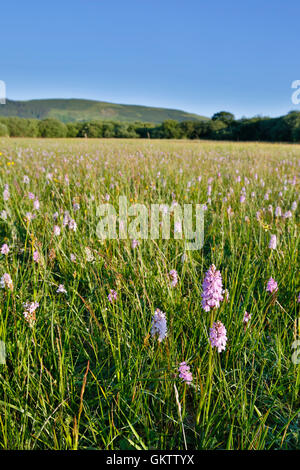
202, 56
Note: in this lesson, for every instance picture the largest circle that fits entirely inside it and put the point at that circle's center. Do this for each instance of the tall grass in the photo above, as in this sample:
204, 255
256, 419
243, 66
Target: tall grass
88, 374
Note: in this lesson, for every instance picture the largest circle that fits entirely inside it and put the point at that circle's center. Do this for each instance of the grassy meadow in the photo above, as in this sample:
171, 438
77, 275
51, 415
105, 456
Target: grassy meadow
82, 370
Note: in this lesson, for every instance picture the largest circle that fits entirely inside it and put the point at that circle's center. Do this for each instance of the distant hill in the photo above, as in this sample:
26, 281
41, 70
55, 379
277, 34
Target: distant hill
69, 110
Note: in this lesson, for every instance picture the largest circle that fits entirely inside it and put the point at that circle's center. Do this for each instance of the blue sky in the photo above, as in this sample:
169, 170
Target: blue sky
198, 55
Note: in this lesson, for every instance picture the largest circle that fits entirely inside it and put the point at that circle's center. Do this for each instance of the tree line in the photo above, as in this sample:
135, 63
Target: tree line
222, 126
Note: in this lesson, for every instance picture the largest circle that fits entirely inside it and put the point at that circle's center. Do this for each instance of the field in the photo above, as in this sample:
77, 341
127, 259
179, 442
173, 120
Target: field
83, 369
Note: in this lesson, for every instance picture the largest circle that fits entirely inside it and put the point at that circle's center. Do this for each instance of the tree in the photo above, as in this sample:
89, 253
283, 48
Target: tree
223, 116
108, 129
3, 130
144, 129
73, 129
216, 125
169, 129
187, 128
52, 128
124, 130
92, 130
18, 127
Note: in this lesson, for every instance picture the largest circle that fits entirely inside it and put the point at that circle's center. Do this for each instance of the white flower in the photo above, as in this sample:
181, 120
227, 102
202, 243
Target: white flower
6, 281
56, 230
273, 242
89, 255
61, 289
159, 325
72, 225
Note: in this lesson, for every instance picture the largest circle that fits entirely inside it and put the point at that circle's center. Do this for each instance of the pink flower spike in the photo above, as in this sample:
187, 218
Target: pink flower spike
159, 325
112, 296
272, 285
29, 312
217, 336
174, 277
134, 244
247, 317
212, 289
6, 282
184, 373
273, 242
4, 249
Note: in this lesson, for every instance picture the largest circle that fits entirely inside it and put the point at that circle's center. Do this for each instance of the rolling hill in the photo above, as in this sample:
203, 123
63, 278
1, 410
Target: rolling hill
69, 110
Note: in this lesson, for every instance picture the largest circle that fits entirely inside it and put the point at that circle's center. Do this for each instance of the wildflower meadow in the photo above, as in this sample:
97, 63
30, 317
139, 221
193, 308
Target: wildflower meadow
138, 342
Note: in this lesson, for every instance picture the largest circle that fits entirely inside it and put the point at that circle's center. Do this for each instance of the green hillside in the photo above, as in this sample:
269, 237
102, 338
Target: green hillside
69, 110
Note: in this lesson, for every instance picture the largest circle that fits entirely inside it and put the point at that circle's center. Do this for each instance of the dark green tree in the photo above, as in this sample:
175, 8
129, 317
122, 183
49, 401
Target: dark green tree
223, 116
108, 129
169, 129
92, 130
73, 129
52, 128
